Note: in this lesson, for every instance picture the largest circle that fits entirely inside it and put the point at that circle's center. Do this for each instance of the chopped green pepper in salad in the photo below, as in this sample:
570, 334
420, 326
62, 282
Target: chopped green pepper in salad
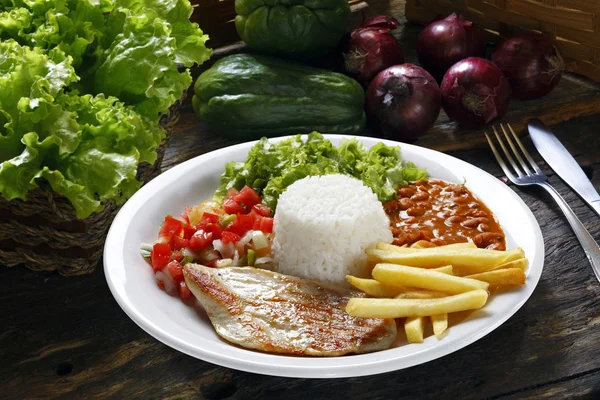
271, 167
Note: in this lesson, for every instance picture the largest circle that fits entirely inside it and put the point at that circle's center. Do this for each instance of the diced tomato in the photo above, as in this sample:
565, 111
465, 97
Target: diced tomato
210, 217
212, 264
176, 270
178, 243
176, 256
262, 209
215, 229
241, 224
170, 227
231, 192
201, 239
230, 237
185, 216
161, 284
230, 206
266, 225
160, 255
184, 292
248, 197
188, 231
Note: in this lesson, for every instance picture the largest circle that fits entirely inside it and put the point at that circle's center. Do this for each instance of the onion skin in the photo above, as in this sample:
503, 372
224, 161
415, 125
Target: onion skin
531, 64
475, 92
404, 100
372, 48
446, 41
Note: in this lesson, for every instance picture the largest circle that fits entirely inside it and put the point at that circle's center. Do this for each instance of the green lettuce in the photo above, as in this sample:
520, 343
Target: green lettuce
271, 167
82, 86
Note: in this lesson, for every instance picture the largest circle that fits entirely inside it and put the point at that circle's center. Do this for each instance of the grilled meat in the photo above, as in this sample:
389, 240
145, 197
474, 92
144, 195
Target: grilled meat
277, 313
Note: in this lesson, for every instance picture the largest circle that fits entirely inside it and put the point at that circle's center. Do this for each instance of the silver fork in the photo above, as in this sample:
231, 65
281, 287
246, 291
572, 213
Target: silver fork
535, 176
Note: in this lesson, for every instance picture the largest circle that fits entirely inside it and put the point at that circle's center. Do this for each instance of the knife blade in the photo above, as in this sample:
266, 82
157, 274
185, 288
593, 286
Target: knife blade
563, 163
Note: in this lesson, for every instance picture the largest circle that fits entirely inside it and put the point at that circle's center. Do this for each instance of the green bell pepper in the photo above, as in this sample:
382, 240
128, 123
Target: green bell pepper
292, 28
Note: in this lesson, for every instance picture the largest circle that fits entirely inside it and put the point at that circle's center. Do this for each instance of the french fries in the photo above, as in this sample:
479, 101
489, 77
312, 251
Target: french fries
400, 308
473, 260
423, 283
414, 328
375, 288
412, 293
521, 263
440, 324
509, 276
446, 269
401, 275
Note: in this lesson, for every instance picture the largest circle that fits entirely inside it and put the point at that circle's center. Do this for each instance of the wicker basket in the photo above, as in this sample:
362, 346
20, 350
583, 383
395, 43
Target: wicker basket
44, 234
574, 25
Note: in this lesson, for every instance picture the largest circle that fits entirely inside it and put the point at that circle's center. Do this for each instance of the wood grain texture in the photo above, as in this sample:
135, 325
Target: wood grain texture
75, 342
68, 338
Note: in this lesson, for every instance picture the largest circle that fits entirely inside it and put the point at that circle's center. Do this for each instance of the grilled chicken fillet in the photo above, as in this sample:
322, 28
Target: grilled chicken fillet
277, 313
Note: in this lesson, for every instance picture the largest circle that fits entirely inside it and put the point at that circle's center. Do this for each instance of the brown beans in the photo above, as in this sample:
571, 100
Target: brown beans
460, 200
442, 213
455, 219
419, 196
487, 238
415, 211
413, 235
405, 203
406, 191
435, 190
474, 222
438, 242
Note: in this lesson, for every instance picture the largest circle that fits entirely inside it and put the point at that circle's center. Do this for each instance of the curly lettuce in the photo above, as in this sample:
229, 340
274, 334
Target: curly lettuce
82, 85
271, 167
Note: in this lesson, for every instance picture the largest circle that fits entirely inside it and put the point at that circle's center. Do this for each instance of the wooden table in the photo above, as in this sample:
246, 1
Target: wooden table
68, 338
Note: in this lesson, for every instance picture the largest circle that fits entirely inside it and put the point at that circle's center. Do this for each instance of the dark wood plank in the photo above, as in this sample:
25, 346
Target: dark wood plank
75, 342
68, 338
585, 386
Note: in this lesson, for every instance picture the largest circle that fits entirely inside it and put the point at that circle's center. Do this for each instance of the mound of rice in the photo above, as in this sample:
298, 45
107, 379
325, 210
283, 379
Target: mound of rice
323, 225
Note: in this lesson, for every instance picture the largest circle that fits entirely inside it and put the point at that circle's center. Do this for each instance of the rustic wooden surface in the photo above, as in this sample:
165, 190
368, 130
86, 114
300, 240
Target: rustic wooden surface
68, 338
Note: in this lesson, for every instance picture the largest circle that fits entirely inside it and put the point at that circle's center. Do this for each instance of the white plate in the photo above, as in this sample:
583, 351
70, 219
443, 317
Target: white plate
169, 320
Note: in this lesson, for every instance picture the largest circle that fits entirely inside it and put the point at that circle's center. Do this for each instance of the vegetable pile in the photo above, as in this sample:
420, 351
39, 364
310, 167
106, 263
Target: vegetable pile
271, 167
82, 84
235, 232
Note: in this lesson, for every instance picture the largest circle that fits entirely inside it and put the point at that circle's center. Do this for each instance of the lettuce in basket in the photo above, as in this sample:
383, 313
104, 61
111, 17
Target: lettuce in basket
82, 84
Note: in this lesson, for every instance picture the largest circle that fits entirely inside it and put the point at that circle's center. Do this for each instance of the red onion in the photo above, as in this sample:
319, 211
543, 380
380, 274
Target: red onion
404, 100
475, 92
446, 41
372, 48
531, 64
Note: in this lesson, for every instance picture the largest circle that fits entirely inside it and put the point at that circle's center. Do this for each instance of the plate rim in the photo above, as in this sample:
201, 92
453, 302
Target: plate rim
299, 371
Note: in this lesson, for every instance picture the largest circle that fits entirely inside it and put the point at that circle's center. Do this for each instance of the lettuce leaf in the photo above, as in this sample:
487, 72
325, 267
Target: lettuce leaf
271, 167
82, 86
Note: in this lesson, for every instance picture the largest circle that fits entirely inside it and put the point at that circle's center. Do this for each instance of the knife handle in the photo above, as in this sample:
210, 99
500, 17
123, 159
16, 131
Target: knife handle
590, 247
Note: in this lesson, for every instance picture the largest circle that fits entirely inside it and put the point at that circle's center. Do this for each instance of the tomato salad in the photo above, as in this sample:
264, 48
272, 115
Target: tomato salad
237, 232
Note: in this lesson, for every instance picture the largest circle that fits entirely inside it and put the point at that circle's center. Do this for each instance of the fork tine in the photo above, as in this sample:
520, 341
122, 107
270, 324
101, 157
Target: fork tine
515, 151
500, 160
507, 154
525, 152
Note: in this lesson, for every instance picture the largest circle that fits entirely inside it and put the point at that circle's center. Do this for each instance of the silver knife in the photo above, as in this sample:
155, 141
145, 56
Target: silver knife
563, 163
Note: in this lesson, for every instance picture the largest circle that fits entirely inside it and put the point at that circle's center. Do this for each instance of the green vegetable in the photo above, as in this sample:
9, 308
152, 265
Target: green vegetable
250, 96
296, 28
186, 260
271, 167
226, 219
82, 84
251, 257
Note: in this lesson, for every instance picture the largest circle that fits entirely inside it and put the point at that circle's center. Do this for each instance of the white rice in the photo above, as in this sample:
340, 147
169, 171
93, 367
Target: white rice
323, 225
